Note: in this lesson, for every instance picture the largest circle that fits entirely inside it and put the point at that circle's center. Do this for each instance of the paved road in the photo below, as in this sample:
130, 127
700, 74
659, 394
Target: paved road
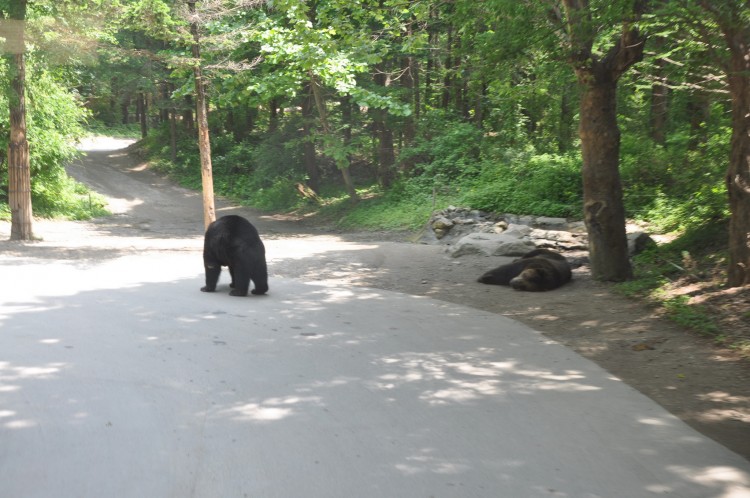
118, 378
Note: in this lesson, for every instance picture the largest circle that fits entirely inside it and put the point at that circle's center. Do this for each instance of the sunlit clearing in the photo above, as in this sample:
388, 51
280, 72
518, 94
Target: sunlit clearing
101, 143
118, 206
313, 246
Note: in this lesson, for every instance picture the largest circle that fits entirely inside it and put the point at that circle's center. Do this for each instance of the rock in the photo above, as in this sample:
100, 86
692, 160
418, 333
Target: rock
547, 222
442, 223
558, 239
639, 242
491, 244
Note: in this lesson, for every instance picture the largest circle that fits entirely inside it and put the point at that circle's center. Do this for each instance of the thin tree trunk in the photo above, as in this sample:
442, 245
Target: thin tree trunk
323, 114
273, 116
204, 143
142, 114
659, 105
19, 171
383, 134
309, 157
125, 109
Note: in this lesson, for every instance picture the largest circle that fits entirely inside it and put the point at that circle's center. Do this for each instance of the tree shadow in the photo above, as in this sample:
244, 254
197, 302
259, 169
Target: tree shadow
146, 386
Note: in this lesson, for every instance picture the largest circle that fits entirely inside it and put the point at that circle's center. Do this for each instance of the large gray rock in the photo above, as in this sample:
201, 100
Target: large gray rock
491, 244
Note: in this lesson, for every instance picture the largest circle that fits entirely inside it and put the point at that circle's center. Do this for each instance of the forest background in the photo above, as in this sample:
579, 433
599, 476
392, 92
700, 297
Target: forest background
374, 113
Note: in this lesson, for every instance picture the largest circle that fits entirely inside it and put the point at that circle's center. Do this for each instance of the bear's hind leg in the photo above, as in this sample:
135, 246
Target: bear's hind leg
260, 279
240, 282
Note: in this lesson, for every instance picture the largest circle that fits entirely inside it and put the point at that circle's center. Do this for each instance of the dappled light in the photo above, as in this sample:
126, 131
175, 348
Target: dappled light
396, 390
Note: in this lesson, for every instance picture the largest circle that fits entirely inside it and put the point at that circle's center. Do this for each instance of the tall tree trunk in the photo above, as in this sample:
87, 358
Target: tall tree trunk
604, 213
343, 165
309, 158
733, 24
204, 143
448, 78
659, 104
142, 114
125, 109
273, 116
699, 110
564, 132
738, 172
19, 171
383, 134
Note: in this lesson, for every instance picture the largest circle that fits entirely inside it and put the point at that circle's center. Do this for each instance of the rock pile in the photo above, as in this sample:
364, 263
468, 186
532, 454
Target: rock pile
470, 231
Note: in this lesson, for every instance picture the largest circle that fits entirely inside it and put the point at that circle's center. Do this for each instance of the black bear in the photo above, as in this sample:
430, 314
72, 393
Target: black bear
234, 242
538, 270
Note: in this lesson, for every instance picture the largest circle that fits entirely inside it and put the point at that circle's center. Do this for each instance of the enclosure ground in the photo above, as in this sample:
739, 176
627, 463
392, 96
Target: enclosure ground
706, 386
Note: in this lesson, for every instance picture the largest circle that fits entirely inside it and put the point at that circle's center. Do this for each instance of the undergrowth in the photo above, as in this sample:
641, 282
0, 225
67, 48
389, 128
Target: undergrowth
685, 280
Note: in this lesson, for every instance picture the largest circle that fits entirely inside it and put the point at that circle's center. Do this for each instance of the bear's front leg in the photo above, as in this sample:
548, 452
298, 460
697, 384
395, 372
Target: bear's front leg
212, 278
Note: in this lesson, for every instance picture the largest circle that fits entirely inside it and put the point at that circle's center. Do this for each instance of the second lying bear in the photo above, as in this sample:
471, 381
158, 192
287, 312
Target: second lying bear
537, 270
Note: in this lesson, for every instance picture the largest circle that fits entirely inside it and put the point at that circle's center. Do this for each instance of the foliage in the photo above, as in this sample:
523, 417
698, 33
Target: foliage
694, 255
528, 183
55, 122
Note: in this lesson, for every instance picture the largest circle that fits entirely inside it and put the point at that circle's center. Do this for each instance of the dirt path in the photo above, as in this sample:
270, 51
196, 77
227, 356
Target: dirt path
706, 387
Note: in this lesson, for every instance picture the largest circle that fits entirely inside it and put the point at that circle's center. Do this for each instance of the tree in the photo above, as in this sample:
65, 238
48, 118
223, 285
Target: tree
598, 72
732, 19
204, 143
19, 170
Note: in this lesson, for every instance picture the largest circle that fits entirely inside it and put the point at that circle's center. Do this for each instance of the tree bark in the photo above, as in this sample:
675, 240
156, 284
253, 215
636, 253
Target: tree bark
142, 114
323, 114
383, 134
204, 143
738, 172
19, 171
308, 144
604, 213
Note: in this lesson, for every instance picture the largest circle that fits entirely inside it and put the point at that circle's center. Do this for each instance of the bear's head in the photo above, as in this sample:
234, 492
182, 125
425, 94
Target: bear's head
531, 279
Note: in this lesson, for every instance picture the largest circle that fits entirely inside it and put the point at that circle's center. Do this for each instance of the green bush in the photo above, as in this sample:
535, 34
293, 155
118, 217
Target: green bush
544, 185
54, 121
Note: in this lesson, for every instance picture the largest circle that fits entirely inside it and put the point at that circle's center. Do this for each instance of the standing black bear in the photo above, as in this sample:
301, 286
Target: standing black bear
538, 270
234, 242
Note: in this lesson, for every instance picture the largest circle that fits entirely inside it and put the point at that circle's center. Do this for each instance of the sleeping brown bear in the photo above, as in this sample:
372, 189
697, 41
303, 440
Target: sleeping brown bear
538, 270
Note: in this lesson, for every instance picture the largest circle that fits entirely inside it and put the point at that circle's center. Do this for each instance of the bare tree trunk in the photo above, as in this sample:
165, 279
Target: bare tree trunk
308, 145
731, 19
19, 171
383, 133
659, 105
738, 172
142, 114
603, 209
323, 114
604, 213
204, 143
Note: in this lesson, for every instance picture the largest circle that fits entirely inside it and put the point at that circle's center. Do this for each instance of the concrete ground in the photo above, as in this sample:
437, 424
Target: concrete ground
118, 378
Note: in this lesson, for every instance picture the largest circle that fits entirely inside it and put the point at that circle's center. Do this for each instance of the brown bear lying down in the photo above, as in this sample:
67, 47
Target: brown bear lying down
538, 270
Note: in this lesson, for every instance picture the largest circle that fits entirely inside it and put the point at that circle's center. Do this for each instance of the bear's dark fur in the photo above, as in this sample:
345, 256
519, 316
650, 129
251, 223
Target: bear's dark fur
538, 270
234, 242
